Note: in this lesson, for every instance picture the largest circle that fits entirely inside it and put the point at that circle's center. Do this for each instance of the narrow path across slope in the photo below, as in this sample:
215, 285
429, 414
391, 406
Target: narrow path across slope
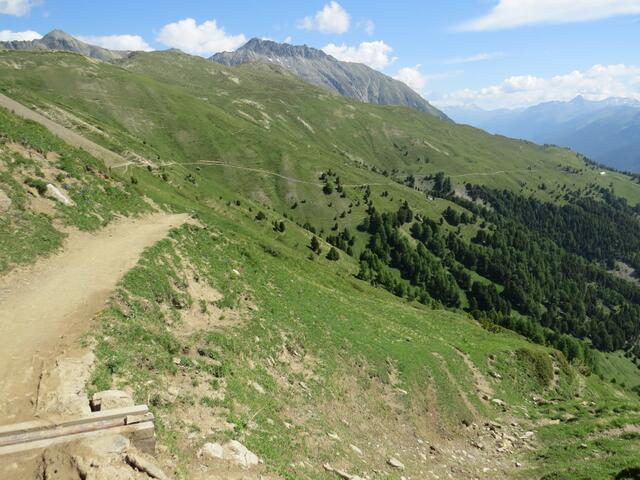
72, 138
499, 172
47, 307
262, 171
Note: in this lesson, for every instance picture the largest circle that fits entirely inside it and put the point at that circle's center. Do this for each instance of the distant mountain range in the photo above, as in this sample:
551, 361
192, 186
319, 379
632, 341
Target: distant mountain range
606, 131
349, 79
59, 40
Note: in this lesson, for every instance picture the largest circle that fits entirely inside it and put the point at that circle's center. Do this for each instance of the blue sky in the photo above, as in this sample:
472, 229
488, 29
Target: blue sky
494, 53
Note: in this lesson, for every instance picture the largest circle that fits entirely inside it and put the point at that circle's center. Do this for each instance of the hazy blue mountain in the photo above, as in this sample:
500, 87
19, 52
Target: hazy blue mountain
316, 67
606, 131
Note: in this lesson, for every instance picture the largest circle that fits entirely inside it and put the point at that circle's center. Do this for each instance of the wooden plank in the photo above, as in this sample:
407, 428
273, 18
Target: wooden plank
10, 429
65, 430
143, 432
35, 425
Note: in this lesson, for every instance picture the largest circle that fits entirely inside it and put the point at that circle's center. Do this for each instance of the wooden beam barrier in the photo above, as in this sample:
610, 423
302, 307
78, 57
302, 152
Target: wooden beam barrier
136, 423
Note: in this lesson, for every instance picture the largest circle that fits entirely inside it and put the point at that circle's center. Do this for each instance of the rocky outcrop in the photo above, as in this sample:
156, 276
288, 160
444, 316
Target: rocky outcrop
353, 80
232, 451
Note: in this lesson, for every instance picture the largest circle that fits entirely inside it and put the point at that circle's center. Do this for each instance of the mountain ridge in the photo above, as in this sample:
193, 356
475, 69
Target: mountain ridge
348, 79
60, 40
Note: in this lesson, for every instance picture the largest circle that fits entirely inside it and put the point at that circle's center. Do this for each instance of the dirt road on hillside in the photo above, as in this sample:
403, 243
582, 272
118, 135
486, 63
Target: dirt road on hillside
45, 308
72, 138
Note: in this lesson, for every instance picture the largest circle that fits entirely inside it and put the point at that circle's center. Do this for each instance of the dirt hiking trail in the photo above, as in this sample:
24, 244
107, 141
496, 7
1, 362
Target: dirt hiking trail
69, 136
47, 307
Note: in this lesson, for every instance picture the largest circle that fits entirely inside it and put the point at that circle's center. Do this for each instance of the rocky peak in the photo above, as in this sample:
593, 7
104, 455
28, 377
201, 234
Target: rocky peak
354, 80
271, 48
58, 35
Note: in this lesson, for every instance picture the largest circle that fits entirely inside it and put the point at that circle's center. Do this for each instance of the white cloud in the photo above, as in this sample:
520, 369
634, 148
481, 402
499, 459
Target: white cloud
374, 54
118, 42
412, 77
289, 39
16, 7
596, 83
517, 13
480, 57
204, 39
8, 35
331, 19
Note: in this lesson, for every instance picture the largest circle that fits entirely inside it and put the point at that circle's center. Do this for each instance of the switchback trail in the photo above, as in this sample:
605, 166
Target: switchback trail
47, 307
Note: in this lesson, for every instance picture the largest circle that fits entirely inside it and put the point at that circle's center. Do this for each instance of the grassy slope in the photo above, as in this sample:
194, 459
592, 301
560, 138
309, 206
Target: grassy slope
357, 340
346, 330
186, 109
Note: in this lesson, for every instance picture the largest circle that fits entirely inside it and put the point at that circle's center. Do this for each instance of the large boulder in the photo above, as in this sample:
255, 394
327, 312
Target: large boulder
232, 451
212, 450
241, 455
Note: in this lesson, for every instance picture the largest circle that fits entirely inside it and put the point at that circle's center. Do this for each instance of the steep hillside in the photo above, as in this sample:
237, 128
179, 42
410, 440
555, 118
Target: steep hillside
231, 330
349, 79
185, 109
606, 131
366, 286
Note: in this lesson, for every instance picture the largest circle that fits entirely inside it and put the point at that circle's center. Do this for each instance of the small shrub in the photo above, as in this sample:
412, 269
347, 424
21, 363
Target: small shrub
38, 184
538, 364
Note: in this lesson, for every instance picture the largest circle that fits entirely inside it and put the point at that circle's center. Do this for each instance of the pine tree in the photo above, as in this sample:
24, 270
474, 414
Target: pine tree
315, 245
333, 254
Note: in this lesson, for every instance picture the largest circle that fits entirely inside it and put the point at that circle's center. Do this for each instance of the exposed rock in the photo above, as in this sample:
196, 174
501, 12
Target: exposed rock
341, 473
62, 388
498, 402
333, 436
257, 387
395, 463
232, 451
240, 454
144, 465
56, 193
212, 450
110, 399
5, 202
356, 449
